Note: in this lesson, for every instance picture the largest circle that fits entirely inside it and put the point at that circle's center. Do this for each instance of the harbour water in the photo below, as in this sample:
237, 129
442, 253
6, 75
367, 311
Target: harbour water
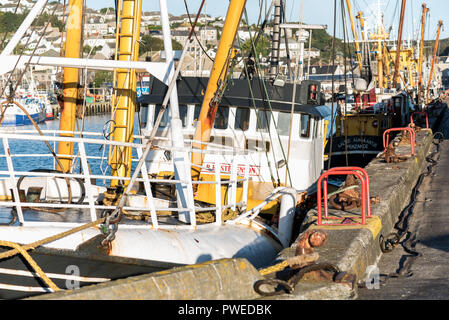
25, 152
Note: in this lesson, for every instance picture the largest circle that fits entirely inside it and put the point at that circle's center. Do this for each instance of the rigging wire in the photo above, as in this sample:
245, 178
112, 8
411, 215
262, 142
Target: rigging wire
31, 56
257, 68
343, 15
332, 88
393, 17
294, 90
194, 33
265, 94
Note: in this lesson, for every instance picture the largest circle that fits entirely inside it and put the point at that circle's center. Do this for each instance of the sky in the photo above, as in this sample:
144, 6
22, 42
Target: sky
321, 12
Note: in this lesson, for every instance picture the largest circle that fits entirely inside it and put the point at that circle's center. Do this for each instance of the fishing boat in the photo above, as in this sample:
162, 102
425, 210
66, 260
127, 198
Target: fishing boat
15, 116
386, 94
192, 187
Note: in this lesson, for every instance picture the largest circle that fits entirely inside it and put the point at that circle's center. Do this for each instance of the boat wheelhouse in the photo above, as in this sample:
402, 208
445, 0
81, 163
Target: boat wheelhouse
360, 127
252, 123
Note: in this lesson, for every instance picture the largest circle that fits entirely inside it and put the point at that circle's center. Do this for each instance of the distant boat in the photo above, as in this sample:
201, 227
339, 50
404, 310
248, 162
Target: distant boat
14, 116
49, 115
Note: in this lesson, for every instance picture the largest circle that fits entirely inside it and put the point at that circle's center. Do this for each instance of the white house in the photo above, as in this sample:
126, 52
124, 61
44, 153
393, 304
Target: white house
108, 49
95, 42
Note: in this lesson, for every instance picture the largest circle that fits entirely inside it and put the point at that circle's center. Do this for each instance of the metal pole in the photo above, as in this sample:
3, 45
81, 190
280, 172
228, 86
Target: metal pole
274, 67
184, 191
421, 48
440, 23
216, 82
310, 53
398, 47
354, 33
71, 78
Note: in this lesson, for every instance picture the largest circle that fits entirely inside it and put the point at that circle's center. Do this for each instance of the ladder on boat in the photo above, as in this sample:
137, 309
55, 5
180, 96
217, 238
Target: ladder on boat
127, 49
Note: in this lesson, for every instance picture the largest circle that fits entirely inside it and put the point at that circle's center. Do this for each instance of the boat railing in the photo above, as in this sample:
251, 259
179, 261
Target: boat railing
238, 177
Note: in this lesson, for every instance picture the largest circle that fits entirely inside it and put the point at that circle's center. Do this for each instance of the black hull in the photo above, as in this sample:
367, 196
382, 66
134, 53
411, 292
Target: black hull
18, 281
359, 151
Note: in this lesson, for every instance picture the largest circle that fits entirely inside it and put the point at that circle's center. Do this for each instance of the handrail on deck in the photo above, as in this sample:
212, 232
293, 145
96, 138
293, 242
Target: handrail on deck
235, 177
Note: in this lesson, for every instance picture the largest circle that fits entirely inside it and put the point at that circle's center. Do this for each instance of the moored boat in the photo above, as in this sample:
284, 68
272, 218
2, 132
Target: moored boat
168, 198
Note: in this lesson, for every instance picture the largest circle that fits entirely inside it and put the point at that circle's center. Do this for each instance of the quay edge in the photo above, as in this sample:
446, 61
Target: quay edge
225, 279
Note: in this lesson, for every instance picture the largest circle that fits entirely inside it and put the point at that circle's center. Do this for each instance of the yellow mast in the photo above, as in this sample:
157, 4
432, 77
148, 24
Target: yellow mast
380, 36
362, 24
386, 62
216, 82
127, 49
354, 33
398, 47
71, 77
421, 47
440, 24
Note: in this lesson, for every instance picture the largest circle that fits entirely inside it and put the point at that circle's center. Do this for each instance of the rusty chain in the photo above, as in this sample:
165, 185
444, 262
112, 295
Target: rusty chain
404, 236
289, 285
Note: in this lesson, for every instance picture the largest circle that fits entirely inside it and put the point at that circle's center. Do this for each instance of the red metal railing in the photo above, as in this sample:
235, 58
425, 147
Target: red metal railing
365, 176
412, 140
420, 112
361, 174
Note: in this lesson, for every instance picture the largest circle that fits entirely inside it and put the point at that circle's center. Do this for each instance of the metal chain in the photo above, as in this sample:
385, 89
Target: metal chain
289, 286
404, 236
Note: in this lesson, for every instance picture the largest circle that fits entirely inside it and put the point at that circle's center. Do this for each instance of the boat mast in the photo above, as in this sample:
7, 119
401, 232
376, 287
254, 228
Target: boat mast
354, 33
378, 37
274, 66
71, 79
398, 47
366, 74
127, 49
440, 24
362, 24
216, 84
421, 50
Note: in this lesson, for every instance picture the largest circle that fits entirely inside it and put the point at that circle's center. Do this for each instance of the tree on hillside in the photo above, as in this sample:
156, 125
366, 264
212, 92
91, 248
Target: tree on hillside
149, 43
263, 46
102, 77
92, 51
10, 22
104, 10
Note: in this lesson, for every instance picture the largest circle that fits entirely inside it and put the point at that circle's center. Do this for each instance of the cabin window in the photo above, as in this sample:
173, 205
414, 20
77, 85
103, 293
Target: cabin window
304, 130
221, 118
183, 112
312, 93
164, 120
144, 114
257, 145
242, 119
283, 126
320, 127
224, 141
196, 113
315, 127
263, 121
